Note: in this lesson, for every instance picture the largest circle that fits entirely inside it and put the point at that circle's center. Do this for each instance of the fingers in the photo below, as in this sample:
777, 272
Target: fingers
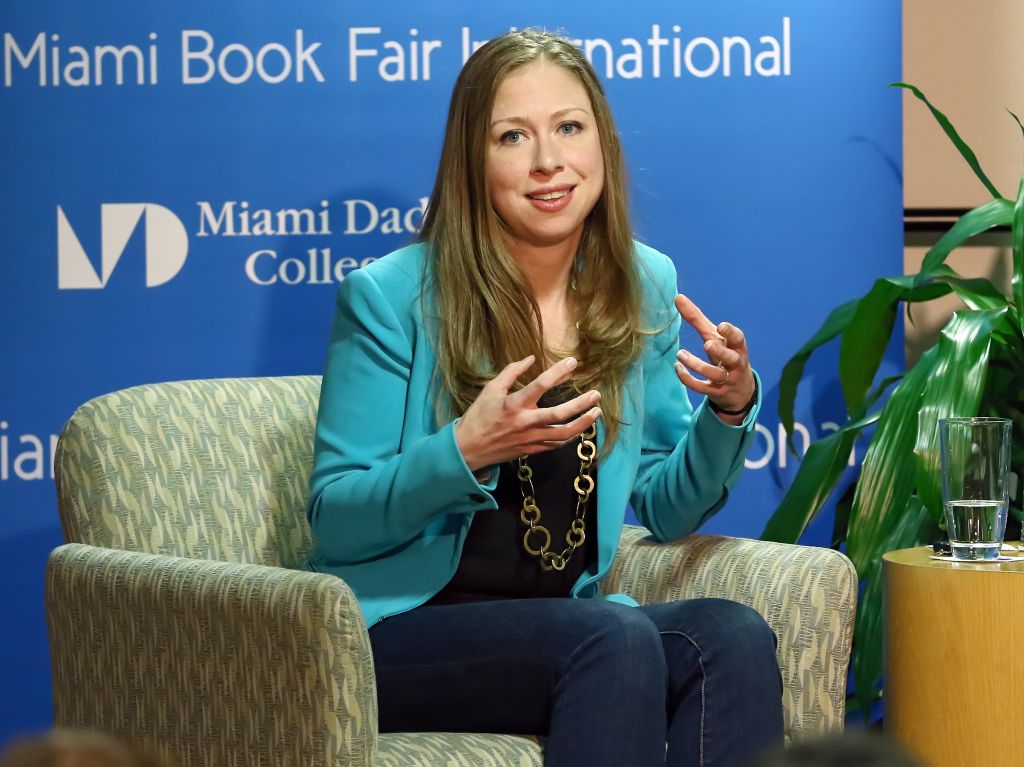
508, 376
708, 387
499, 426
733, 336
725, 346
729, 388
688, 380
713, 373
690, 312
722, 355
560, 414
548, 437
549, 379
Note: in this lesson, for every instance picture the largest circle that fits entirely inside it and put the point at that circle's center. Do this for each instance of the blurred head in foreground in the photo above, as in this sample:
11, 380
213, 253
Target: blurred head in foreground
75, 748
851, 749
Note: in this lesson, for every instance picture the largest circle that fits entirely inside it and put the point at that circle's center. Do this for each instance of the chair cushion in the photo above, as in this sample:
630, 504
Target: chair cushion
212, 469
457, 749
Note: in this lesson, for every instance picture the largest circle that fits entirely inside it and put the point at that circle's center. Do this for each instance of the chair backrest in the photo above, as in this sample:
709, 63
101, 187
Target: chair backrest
214, 469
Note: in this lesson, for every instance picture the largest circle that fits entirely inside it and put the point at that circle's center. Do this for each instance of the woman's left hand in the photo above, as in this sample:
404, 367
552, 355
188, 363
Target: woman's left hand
728, 379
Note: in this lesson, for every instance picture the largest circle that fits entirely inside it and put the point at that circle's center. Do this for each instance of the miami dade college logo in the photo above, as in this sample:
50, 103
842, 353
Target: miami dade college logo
166, 245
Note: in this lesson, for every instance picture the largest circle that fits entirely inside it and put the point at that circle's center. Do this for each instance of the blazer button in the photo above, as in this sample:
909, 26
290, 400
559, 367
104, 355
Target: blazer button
476, 498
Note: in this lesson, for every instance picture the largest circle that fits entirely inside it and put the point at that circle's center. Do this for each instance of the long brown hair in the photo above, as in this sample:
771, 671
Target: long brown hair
486, 313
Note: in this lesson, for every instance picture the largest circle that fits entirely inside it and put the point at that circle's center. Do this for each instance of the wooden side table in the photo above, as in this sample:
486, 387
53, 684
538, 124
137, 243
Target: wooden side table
954, 644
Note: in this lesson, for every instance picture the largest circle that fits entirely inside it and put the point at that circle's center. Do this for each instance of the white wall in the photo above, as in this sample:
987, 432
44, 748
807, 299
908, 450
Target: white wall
968, 57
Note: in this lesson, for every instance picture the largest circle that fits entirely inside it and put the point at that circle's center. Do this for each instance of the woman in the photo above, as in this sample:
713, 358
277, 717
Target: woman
493, 397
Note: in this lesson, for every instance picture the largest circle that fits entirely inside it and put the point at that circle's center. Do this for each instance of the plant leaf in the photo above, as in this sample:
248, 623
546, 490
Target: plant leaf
975, 292
1003, 387
954, 389
819, 471
961, 145
842, 517
887, 472
869, 331
993, 213
834, 324
864, 341
867, 635
878, 391
839, 321
1019, 124
866, 326
1018, 255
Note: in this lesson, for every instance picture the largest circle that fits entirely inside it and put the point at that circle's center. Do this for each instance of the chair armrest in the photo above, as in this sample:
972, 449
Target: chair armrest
211, 662
807, 595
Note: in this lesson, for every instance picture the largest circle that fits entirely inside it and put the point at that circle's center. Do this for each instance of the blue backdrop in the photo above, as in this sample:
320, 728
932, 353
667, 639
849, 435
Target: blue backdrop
184, 185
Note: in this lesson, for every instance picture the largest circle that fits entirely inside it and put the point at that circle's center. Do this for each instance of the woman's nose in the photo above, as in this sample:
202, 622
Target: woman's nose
547, 158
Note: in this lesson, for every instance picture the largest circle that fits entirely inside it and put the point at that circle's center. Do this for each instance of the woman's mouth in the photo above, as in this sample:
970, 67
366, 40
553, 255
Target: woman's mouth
551, 199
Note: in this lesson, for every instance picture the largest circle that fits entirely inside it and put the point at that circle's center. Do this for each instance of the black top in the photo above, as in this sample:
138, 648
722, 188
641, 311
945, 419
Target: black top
494, 563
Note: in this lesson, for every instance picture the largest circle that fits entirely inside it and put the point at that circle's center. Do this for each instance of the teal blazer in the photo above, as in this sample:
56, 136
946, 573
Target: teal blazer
392, 498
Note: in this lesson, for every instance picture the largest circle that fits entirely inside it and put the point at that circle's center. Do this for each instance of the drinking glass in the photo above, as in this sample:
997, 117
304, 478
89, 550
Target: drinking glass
975, 484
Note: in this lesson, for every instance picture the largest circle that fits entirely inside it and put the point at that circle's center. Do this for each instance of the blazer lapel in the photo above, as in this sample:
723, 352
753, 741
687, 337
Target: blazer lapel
615, 475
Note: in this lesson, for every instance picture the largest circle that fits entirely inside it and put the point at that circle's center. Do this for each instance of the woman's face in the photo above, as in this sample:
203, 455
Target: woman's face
545, 168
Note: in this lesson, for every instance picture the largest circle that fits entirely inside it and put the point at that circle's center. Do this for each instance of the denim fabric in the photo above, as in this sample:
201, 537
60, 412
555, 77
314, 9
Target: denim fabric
607, 684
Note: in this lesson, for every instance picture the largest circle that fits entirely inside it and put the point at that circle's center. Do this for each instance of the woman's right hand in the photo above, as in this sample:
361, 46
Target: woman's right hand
500, 427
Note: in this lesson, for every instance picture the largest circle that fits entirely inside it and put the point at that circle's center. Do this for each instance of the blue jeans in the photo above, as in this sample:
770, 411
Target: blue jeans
606, 684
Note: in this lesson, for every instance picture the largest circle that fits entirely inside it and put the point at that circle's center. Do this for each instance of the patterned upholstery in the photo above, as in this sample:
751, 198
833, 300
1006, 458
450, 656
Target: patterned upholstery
199, 469
457, 749
178, 618
211, 663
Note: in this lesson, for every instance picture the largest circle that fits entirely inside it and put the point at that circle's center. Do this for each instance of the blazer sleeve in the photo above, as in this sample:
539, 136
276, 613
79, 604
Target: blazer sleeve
688, 458
370, 493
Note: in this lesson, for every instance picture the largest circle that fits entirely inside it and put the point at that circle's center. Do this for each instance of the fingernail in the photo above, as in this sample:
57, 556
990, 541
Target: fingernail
570, 362
596, 412
709, 343
679, 367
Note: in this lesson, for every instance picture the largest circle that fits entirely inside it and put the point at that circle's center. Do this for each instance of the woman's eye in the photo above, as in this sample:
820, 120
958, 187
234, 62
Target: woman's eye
568, 129
511, 137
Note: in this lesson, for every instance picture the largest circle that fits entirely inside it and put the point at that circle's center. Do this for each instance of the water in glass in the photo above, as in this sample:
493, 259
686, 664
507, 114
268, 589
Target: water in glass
976, 528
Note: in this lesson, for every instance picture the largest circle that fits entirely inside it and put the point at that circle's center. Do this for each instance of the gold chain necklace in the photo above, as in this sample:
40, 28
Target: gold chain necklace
530, 515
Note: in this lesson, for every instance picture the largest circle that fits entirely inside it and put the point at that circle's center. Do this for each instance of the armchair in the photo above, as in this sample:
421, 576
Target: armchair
178, 618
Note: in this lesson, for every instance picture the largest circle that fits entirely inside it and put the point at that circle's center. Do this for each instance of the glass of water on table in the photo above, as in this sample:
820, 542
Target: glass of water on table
975, 484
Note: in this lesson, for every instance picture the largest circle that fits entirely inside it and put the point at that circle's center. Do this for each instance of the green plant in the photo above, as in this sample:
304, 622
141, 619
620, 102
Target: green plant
975, 368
